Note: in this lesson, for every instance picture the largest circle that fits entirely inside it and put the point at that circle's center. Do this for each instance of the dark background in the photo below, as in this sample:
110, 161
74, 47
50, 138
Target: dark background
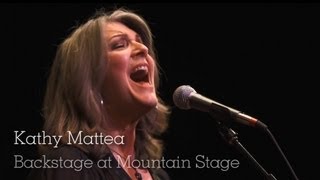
258, 58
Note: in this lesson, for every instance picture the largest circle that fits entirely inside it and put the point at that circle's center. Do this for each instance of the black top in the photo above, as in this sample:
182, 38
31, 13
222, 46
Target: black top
57, 170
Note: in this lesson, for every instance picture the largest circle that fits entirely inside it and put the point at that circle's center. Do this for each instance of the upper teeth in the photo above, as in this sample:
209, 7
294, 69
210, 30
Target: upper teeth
144, 67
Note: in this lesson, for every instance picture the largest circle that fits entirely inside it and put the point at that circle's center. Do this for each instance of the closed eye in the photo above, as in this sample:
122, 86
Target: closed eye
120, 44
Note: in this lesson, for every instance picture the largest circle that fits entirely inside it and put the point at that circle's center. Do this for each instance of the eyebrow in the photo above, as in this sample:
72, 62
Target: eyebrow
121, 34
117, 35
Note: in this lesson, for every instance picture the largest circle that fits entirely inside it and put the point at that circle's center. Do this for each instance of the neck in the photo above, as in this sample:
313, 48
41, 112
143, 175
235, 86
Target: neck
127, 148
129, 133
118, 119
126, 151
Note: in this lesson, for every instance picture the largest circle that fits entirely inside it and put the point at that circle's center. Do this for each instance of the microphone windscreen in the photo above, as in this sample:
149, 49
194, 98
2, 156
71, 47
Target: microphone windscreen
181, 96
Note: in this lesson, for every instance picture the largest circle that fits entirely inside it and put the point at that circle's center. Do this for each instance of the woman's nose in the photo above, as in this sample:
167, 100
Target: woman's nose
139, 49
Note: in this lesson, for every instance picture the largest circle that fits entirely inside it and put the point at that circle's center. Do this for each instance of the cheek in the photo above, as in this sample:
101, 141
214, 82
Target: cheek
114, 81
116, 71
152, 63
117, 65
117, 62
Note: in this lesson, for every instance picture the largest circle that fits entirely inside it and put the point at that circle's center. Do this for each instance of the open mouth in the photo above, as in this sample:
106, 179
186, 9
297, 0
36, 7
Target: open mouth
140, 74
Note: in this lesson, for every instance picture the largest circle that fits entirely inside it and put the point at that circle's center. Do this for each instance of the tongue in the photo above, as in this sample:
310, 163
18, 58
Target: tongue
138, 76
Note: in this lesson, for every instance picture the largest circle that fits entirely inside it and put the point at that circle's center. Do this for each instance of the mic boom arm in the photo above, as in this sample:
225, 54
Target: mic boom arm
222, 112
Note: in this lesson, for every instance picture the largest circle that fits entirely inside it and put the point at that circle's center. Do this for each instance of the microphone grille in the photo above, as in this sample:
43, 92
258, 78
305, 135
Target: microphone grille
181, 96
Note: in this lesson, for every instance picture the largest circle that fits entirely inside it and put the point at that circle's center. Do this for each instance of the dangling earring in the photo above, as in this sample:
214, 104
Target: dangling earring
101, 100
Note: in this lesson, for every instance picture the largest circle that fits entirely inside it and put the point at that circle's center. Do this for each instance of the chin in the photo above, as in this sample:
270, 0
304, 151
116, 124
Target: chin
143, 94
149, 101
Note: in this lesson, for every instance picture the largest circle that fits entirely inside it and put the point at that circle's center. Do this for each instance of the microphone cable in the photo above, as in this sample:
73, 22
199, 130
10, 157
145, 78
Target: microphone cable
281, 152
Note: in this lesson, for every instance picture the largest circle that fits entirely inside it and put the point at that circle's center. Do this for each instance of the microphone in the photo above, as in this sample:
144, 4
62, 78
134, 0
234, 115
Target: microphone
185, 97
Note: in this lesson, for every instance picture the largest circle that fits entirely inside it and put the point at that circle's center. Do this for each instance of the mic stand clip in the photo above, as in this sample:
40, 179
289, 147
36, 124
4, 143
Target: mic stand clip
230, 136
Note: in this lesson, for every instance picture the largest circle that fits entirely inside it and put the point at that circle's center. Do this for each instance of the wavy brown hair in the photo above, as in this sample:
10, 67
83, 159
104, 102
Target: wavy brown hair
73, 93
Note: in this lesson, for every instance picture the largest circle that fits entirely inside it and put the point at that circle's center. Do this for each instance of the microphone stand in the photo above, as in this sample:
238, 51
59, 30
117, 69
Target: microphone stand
230, 136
